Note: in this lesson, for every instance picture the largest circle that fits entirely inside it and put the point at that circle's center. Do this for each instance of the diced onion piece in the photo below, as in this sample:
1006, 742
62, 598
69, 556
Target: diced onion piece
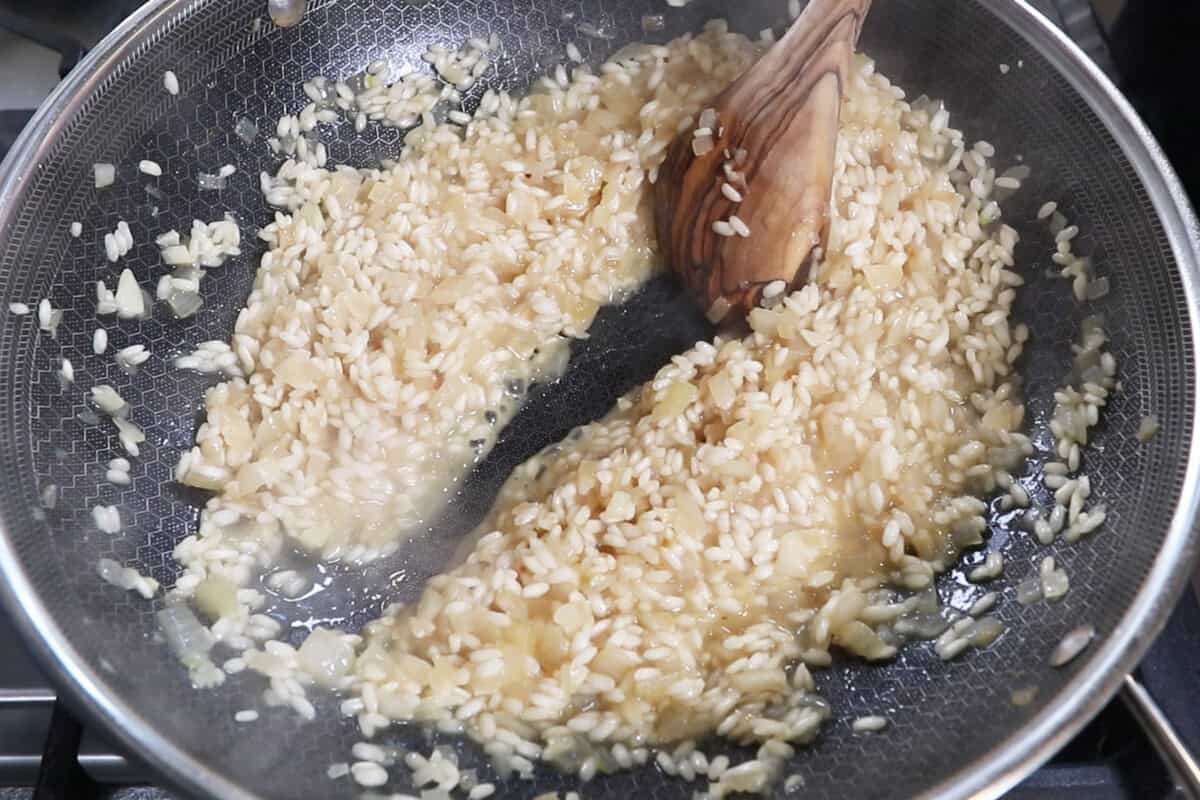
924, 617
105, 175
185, 304
858, 638
210, 182
245, 130
188, 639
653, 22
177, 255
590, 30
1029, 590
1097, 288
216, 597
109, 570
326, 655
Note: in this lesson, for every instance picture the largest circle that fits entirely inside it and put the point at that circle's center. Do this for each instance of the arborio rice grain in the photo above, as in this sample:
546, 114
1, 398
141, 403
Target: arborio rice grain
671, 570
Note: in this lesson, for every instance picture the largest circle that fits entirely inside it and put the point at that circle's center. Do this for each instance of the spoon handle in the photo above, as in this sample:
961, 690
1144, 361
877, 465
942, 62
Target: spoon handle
1181, 762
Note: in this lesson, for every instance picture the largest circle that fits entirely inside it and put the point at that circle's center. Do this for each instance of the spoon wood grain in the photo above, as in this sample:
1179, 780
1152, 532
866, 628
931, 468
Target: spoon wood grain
741, 200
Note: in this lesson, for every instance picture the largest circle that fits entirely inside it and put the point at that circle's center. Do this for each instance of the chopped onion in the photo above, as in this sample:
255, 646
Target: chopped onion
177, 254
926, 601
246, 130
184, 304
858, 638
186, 279
1029, 590
216, 597
105, 175
587, 29
924, 617
653, 22
326, 655
188, 639
1092, 330
209, 182
109, 570
632, 52
1057, 222
923, 626
1097, 289
966, 533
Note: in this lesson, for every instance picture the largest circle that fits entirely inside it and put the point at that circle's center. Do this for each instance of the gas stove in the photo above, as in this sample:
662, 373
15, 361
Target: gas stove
46, 754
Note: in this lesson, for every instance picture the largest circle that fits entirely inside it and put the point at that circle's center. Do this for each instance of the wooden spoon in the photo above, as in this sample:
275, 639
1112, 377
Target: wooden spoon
742, 199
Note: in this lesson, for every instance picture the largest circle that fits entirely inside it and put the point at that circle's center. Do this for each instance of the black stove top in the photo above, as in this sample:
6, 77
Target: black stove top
45, 754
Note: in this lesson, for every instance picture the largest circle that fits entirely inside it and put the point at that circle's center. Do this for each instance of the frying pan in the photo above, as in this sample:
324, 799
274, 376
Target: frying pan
953, 729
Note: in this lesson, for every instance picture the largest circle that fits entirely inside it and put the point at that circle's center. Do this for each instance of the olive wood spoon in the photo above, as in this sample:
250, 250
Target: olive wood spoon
742, 199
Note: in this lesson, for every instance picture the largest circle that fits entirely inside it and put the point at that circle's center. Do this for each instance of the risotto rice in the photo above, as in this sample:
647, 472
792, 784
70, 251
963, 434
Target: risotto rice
671, 570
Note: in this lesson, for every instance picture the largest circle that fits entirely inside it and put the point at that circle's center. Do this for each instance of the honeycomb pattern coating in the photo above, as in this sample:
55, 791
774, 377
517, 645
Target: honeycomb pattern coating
944, 717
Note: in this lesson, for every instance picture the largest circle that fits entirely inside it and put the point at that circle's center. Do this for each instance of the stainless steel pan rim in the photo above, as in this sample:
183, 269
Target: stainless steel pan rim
1011, 760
